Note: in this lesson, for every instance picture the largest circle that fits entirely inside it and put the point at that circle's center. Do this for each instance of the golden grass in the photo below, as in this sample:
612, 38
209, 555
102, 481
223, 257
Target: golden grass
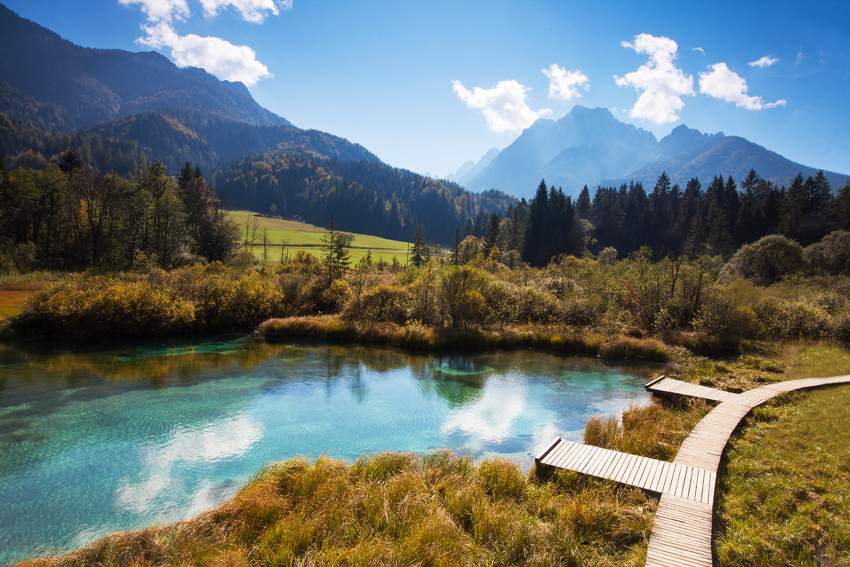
421, 337
655, 431
396, 509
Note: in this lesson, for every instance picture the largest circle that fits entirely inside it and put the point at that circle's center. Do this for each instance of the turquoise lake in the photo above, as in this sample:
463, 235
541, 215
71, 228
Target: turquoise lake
94, 440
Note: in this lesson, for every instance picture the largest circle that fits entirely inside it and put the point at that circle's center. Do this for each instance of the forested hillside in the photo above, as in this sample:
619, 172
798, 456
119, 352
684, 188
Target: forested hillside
363, 196
177, 135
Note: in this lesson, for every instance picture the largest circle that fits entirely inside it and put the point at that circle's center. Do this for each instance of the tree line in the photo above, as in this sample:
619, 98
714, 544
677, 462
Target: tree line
670, 221
76, 217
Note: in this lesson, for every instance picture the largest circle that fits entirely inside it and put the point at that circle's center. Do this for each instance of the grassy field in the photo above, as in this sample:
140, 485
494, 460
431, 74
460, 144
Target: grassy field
306, 237
15, 289
785, 497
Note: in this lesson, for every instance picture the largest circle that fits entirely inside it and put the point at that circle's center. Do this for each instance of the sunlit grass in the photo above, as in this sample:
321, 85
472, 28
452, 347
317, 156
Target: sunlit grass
397, 509
655, 431
306, 237
16, 289
785, 496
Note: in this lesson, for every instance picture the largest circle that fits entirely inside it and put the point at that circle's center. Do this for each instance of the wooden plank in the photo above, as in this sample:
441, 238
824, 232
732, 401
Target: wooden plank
626, 468
667, 469
608, 471
649, 475
568, 452
555, 442
604, 460
573, 463
552, 457
637, 467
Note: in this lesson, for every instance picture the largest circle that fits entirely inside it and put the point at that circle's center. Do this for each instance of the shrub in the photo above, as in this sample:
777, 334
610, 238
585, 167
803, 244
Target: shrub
382, 303
765, 261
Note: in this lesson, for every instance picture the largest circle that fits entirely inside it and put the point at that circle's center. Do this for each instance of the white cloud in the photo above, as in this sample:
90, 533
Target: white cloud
563, 84
504, 106
700, 49
763, 62
217, 56
725, 84
161, 10
660, 83
250, 10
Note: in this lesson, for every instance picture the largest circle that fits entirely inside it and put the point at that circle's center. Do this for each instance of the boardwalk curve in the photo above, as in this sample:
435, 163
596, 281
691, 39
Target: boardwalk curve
682, 531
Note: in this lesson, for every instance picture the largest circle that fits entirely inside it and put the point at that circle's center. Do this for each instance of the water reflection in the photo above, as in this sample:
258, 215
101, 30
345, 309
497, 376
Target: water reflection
103, 438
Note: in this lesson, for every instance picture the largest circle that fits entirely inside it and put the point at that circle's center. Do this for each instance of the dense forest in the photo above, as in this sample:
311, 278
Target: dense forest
74, 217
363, 196
716, 220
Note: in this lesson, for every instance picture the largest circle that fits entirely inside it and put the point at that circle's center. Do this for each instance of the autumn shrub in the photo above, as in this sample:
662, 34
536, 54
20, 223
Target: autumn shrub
290, 285
381, 303
535, 306
104, 306
335, 296
724, 319
830, 256
460, 298
316, 297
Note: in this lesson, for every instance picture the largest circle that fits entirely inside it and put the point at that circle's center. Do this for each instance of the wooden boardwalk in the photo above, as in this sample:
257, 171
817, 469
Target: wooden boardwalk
682, 531
660, 477
669, 386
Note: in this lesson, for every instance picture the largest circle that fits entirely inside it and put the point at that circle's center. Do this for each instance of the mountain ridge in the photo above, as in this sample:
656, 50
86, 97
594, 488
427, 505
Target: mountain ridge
591, 147
94, 85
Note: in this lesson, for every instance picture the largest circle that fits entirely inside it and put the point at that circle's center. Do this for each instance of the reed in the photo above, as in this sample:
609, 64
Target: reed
436, 509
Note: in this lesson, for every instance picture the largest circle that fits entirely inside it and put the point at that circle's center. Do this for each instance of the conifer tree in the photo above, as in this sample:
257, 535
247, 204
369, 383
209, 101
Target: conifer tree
420, 249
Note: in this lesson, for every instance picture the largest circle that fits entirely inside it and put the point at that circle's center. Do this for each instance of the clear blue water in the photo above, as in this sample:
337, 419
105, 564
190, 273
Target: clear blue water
98, 440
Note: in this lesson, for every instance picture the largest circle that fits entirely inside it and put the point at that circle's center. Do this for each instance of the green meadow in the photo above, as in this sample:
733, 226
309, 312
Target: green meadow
296, 235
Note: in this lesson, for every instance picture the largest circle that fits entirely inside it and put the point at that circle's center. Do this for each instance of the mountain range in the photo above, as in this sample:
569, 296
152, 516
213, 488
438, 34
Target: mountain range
591, 147
121, 111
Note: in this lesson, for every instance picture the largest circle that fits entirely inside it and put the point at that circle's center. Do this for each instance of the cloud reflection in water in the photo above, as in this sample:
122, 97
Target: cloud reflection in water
160, 484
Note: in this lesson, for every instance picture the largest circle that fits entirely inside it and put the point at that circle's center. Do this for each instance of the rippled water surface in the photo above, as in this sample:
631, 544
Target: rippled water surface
98, 440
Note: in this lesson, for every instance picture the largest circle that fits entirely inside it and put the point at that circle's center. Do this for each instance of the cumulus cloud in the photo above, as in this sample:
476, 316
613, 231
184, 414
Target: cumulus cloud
763, 62
660, 83
723, 83
160, 10
563, 84
504, 106
217, 56
250, 10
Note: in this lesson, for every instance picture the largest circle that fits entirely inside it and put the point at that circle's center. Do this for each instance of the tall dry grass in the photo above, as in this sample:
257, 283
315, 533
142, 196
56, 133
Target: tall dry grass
396, 509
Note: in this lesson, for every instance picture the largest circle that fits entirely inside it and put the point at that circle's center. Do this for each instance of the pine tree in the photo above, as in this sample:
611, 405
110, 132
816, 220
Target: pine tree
456, 247
420, 249
335, 253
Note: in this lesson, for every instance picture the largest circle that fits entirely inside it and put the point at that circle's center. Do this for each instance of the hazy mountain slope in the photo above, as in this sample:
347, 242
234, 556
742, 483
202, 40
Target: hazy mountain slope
731, 155
585, 139
471, 169
591, 147
94, 85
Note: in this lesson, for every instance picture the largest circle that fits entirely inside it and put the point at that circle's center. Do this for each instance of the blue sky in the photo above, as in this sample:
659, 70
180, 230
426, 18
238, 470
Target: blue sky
429, 85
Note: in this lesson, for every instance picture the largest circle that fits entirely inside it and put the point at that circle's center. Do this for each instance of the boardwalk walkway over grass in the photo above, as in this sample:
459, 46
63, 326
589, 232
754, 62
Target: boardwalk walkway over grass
682, 532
